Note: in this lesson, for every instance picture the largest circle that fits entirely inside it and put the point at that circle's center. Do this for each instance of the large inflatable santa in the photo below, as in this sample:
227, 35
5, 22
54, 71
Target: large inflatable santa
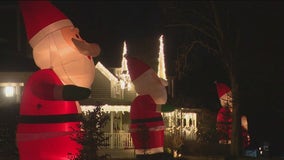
49, 110
147, 126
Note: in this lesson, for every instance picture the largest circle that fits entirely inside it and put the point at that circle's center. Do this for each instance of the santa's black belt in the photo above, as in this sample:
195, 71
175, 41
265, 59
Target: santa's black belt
50, 118
155, 119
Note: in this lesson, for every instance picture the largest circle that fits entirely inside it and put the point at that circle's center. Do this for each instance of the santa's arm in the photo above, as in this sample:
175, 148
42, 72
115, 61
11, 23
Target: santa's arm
164, 108
49, 91
71, 92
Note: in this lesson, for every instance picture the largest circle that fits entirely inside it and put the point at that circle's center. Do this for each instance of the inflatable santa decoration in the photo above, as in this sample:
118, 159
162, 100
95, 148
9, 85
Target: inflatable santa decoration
224, 117
147, 126
49, 109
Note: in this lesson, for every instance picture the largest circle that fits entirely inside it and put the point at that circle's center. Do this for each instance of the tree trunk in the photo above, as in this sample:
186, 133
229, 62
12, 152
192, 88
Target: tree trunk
236, 124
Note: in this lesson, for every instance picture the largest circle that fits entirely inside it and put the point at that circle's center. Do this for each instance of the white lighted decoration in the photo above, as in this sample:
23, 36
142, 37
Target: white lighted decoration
161, 60
123, 75
107, 108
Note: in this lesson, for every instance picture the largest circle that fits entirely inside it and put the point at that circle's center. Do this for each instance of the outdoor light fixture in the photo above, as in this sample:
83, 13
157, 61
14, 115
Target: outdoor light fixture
9, 91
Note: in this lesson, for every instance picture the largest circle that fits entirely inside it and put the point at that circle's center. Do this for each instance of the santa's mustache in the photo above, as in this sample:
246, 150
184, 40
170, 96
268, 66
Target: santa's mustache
88, 49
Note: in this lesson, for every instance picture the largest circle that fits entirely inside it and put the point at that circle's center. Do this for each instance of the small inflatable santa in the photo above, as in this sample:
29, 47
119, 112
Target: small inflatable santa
147, 126
224, 116
225, 119
49, 109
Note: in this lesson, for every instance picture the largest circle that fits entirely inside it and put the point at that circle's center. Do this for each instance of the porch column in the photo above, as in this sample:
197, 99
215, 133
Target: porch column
111, 129
181, 122
120, 120
18, 94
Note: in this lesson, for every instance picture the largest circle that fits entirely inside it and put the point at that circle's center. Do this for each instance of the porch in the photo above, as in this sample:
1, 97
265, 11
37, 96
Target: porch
181, 123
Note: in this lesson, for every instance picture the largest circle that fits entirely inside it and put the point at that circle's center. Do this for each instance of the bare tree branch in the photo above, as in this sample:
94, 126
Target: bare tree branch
201, 30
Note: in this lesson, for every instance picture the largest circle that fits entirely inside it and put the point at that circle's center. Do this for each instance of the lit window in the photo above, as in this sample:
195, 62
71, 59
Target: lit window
9, 91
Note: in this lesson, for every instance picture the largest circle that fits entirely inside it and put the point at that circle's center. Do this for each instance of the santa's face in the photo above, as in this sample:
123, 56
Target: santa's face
226, 99
149, 83
68, 55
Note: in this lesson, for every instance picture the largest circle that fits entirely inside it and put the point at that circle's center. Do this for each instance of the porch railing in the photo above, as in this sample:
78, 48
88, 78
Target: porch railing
124, 140
118, 140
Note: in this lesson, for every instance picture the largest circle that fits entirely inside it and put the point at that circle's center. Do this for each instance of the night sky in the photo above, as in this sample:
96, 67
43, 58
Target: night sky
260, 53
261, 66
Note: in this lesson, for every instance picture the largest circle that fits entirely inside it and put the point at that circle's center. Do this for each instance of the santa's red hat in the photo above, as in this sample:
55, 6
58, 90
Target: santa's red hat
41, 18
135, 67
222, 89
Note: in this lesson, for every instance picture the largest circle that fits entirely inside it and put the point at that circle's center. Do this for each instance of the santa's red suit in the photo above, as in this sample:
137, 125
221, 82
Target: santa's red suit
147, 126
224, 125
46, 124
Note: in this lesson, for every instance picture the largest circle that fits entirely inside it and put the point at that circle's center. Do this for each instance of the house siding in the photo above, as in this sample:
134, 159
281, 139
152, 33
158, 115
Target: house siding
101, 87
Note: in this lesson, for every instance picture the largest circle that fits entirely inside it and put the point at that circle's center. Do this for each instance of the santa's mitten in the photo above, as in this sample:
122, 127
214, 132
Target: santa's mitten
165, 108
72, 92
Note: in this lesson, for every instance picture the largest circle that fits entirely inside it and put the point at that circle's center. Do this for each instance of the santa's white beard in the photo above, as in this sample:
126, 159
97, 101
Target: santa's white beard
68, 63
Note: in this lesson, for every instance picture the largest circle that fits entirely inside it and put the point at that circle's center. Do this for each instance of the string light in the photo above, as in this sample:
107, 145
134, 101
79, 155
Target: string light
161, 59
123, 75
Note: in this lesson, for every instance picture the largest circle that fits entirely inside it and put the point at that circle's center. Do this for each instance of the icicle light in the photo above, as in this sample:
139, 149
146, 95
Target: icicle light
107, 108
